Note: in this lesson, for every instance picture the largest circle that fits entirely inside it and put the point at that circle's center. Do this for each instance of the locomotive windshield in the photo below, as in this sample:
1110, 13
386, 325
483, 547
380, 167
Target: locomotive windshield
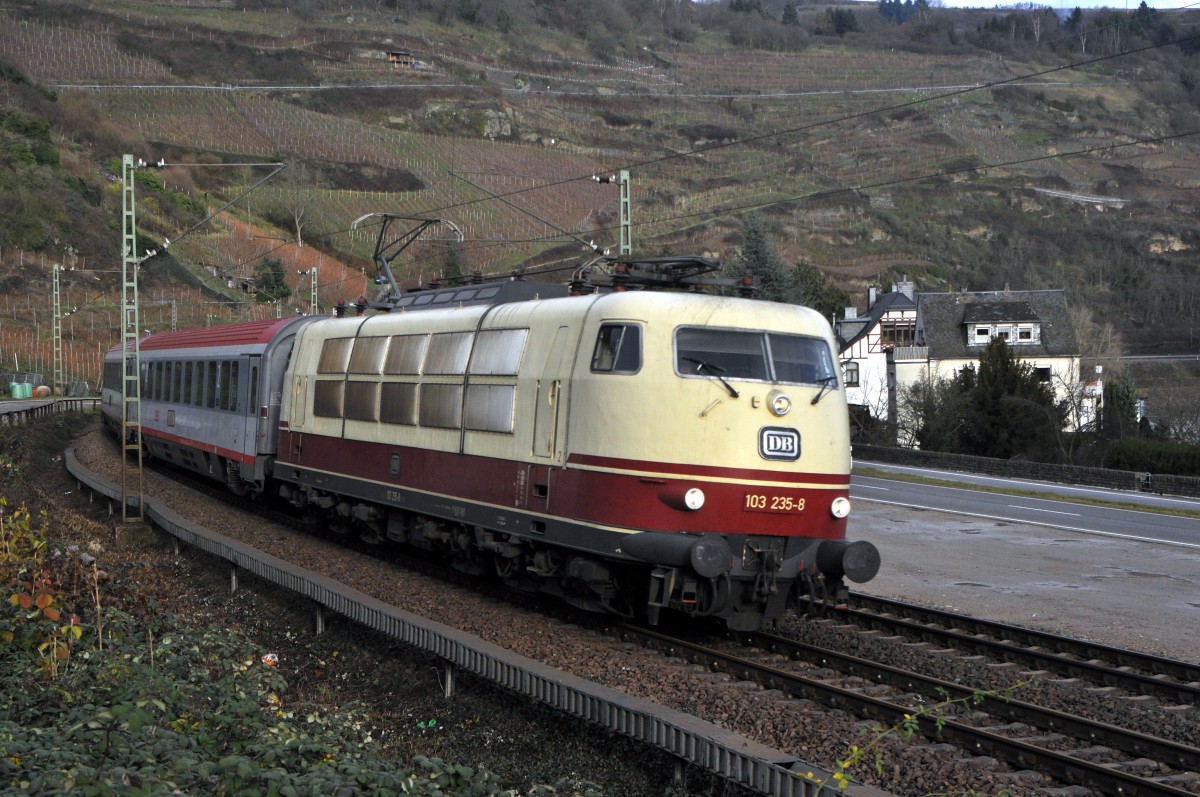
761, 356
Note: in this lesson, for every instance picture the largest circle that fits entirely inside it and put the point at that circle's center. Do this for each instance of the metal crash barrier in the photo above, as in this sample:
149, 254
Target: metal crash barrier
23, 415
695, 741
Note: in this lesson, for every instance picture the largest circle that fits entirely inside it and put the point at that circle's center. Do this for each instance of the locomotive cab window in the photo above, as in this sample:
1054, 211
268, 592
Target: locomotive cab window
618, 349
760, 356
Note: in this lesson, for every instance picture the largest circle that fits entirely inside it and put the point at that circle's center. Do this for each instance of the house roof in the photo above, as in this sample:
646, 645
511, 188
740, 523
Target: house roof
860, 326
942, 320
999, 312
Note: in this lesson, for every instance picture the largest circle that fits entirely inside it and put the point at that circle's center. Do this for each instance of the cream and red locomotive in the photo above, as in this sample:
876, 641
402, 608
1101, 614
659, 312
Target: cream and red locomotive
630, 451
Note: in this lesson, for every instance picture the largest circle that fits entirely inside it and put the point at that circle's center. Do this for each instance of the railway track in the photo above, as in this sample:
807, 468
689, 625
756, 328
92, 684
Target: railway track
1134, 672
1074, 750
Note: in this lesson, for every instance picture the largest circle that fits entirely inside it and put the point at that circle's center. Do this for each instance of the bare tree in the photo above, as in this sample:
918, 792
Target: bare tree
1100, 343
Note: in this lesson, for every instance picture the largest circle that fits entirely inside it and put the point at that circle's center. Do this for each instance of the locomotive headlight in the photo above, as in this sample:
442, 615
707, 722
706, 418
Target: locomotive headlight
693, 499
780, 404
840, 507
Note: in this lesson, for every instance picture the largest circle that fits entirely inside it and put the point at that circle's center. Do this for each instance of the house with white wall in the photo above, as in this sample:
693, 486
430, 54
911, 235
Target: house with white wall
907, 336
888, 327
957, 327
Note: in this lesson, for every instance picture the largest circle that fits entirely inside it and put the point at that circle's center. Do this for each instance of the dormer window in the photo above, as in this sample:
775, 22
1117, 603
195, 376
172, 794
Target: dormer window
1013, 332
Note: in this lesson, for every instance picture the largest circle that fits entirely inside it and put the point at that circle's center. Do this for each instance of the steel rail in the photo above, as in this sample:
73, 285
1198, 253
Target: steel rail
726, 754
1067, 769
1179, 756
1095, 661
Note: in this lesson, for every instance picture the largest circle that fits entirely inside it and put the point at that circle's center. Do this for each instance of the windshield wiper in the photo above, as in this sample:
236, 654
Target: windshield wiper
715, 371
827, 384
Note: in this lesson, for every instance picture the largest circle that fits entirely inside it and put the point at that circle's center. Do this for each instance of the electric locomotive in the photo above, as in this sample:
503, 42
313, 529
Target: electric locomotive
631, 451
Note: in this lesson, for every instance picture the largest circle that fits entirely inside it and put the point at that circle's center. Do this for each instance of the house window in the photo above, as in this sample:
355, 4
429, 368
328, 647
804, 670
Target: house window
1024, 334
1044, 374
897, 333
850, 373
983, 333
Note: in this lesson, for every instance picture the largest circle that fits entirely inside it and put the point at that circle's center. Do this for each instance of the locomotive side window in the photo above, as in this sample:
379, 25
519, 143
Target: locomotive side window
498, 352
327, 399
398, 403
490, 408
405, 354
448, 353
441, 406
362, 401
367, 357
618, 349
736, 354
335, 356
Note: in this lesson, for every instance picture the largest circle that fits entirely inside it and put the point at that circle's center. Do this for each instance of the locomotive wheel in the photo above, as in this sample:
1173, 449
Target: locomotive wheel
713, 595
506, 566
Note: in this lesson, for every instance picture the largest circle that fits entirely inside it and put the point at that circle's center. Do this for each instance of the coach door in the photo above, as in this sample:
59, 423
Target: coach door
551, 398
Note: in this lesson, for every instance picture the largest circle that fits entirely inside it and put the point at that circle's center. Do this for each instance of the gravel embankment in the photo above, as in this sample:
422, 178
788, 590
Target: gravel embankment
518, 740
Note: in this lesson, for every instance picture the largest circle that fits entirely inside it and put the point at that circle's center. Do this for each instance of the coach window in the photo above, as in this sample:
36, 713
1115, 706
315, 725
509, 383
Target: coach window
210, 385
177, 390
618, 349
197, 384
233, 385
223, 385
169, 380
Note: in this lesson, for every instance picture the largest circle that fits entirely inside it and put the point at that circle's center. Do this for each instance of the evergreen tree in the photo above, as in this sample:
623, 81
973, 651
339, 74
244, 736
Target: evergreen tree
790, 16
757, 258
1118, 414
843, 21
1011, 411
271, 284
812, 288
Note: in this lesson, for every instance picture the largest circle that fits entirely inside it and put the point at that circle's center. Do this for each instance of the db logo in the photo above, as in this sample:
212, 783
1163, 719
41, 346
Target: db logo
777, 442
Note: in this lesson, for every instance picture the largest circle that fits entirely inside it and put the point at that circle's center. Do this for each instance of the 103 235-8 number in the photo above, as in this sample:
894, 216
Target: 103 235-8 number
763, 502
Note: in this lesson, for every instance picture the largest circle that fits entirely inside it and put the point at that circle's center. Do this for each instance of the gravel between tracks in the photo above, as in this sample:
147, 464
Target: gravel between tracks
521, 742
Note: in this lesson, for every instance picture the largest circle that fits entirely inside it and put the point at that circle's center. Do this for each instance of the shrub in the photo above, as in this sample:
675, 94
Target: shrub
1153, 456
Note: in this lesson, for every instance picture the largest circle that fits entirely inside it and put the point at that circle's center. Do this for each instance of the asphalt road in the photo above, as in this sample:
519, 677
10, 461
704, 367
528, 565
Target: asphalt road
974, 499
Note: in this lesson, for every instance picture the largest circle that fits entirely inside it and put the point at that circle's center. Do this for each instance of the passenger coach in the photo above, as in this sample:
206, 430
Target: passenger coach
210, 397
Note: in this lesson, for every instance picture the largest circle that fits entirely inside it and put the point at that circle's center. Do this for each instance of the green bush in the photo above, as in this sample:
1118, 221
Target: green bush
1153, 456
102, 702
